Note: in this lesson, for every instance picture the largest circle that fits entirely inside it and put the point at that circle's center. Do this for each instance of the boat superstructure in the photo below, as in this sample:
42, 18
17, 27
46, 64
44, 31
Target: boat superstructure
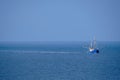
92, 48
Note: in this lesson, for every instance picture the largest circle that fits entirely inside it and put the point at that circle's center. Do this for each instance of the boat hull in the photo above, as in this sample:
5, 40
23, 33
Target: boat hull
93, 51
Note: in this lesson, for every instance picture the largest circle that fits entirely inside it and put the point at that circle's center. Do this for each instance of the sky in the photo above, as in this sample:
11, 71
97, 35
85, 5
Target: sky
59, 20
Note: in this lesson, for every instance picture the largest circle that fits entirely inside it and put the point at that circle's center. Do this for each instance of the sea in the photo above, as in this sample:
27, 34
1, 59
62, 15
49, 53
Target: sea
59, 61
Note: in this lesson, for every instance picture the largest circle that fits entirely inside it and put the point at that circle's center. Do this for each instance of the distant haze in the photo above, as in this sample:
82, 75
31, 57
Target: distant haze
59, 20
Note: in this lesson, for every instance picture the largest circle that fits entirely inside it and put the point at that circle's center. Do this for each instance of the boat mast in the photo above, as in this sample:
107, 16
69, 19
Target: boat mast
94, 43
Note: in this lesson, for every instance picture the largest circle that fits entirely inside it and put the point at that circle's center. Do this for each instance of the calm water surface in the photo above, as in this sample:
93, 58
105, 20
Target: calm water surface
59, 61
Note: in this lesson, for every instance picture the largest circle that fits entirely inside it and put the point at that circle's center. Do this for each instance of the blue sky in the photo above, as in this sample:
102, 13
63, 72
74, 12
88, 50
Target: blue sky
59, 20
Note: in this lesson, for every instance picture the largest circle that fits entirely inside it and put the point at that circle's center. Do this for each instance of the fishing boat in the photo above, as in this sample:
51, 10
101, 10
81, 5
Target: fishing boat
92, 48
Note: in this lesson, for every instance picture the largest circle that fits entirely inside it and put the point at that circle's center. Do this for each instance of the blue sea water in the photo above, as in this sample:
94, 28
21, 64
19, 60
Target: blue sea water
59, 61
